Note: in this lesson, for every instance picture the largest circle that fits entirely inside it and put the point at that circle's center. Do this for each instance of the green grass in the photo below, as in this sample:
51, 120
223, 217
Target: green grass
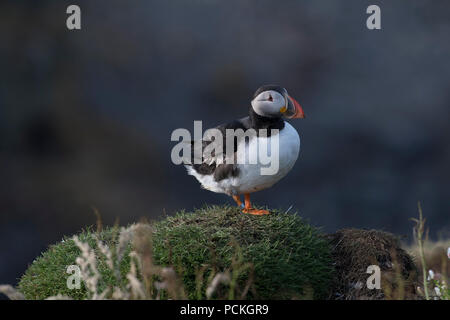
283, 256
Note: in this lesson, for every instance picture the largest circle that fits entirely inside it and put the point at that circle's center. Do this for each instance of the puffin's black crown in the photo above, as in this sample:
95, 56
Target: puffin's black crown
267, 87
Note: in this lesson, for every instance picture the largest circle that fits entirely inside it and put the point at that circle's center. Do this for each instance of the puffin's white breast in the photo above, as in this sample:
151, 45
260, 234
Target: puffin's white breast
251, 178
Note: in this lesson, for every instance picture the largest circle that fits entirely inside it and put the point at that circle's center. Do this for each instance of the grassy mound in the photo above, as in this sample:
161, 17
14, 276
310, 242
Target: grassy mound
283, 256
353, 250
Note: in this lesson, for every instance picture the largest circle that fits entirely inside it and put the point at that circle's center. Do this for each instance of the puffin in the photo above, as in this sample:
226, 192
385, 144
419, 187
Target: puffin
269, 109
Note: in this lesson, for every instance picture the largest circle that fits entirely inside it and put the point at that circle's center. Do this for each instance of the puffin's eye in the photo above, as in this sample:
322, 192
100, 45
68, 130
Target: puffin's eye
270, 97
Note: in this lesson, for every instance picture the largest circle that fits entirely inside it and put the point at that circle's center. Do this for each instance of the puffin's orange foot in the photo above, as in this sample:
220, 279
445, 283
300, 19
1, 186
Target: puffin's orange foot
255, 212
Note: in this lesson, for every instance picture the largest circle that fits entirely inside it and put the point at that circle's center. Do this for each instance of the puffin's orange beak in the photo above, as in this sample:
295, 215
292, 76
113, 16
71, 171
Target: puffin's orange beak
299, 114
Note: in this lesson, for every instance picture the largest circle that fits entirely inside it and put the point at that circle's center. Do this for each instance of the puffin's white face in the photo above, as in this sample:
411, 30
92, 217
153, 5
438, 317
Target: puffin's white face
269, 103
276, 104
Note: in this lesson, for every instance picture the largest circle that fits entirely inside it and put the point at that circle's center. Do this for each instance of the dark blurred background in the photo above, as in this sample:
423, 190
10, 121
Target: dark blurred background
86, 116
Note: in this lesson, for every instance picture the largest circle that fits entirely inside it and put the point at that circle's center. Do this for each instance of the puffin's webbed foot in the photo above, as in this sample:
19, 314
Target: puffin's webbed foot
250, 210
255, 212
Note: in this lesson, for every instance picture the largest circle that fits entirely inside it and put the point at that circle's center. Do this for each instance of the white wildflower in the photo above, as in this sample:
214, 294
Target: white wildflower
420, 291
430, 275
437, 291
448, 252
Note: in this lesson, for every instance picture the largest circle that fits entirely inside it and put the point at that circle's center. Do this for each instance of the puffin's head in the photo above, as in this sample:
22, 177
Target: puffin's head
274, 102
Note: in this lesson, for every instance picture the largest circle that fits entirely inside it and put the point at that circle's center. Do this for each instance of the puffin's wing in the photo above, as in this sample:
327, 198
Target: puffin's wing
209, 161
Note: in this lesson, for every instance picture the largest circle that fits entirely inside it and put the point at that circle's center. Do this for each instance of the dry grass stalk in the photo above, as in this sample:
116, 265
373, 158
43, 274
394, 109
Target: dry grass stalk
418, 233
11, 292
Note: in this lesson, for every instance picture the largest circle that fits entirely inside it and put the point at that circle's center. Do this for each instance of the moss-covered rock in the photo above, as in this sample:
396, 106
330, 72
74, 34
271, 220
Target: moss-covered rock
284, 256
